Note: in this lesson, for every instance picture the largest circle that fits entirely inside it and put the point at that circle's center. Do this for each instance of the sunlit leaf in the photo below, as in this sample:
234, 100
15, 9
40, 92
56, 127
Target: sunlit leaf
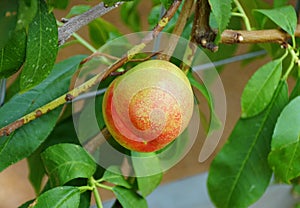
66, 196
64, 162
260, 88
240, 174
222, 12
128, 198
113, 175
285, 155
285, 17
13, 54
41, 47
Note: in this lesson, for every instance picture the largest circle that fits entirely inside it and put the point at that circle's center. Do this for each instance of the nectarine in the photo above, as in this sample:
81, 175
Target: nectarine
149, 106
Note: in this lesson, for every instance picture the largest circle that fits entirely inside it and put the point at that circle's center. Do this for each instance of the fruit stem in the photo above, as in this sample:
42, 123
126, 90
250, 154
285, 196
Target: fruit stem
96, 192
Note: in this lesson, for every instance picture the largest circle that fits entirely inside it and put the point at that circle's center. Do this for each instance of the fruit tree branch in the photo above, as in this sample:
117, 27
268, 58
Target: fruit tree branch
227, 37
69, 96
257, 36
75, 23
178, 29
201, 32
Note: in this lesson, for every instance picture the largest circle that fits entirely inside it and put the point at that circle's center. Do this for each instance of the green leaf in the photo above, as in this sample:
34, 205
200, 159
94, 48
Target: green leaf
296, 90
8, 20
41, 47
13, 54
26, 204
58, 4
26, 13
27, 139
77, 10
167, 3
222, 12
131, 16
113, 175
285, 17
129, 198
36, 171
214, 122
260, 88
63, 132
241, 167
101, 31
285, 155
146, 183
64, 162
66, 196
249, 6
85, 199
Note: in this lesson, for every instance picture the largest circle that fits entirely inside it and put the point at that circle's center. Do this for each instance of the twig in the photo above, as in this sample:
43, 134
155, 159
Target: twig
201, 32
257, 36
163, 22
179, 27
69, 96
146, 58
75, 23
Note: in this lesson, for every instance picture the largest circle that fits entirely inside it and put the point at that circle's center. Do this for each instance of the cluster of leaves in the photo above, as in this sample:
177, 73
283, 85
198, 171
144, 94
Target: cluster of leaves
265, 139
29, 41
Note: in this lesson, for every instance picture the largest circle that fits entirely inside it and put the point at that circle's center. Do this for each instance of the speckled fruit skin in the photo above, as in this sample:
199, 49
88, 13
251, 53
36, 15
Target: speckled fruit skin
149, 106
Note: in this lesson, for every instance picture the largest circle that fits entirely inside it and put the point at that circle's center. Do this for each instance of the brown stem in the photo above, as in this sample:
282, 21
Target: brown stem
257, 36
201, 32
75, 23
178, 29
163, 22
146, 58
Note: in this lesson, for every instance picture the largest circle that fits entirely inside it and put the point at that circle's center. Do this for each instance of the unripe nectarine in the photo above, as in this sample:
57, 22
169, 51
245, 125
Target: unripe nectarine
149, 106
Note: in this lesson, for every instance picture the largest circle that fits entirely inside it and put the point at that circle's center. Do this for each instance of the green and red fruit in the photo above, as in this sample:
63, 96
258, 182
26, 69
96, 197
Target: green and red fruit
149, 106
